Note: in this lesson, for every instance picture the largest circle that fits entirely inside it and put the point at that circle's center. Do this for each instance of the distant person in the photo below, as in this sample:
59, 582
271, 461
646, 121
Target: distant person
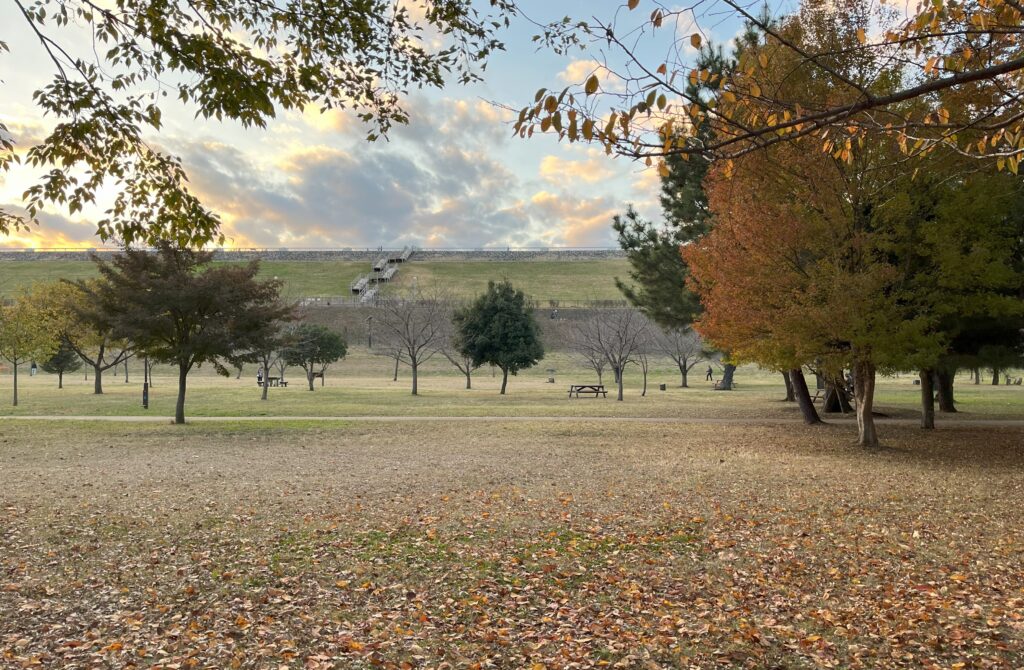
259, 376
35, 368
710, 376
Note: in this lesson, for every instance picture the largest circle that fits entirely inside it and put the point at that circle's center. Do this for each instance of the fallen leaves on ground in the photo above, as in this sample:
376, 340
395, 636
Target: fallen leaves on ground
640, 546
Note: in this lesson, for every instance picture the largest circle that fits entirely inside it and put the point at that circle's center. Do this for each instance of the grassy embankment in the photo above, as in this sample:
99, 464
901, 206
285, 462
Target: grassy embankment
543, 280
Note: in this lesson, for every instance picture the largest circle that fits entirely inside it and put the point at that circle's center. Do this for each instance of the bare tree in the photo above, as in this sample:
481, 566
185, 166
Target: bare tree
684, 347
588, 355
618, 334
416, 326
455, 354
648, 345
643, 361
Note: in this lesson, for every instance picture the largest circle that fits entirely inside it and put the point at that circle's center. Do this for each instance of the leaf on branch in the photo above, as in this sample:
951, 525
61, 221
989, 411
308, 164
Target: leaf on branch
695, 40
591, 85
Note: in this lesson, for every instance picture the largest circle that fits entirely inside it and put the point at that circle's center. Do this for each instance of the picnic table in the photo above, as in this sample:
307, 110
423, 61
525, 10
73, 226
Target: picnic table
587, 389
276, 381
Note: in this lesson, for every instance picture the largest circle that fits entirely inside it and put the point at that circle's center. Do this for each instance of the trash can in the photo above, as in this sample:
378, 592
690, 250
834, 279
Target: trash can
661, 387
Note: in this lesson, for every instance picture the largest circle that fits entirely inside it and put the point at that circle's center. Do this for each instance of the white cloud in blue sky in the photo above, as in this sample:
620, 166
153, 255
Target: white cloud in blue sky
454, 177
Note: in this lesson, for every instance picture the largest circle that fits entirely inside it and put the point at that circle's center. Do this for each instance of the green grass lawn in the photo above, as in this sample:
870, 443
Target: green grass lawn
362, 385
542, 280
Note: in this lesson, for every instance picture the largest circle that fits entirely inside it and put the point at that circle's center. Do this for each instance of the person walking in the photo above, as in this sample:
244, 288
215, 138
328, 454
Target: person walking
710, 377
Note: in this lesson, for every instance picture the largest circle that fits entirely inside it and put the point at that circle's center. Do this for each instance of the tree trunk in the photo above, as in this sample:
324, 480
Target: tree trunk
469, 378
60, 379
97, 383
309, 377
977, 375
600, 376
126, 371
239, 375
643, 393
179, 407
727, 375
415, 377
864, 390
15, 384
618, 380
265, 391
789, 388
504, 380
944, 379
395, 378
683, 371
995, 376
927, 400
835, 399
803, 397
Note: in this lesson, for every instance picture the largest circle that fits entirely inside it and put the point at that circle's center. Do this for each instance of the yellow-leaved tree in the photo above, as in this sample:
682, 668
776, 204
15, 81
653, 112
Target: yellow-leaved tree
24, 336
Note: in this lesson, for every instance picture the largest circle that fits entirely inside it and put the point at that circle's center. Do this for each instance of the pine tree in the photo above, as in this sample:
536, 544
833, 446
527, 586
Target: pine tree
65, 360
657, 270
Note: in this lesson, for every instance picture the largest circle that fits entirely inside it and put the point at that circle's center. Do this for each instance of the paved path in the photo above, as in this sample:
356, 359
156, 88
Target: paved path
738, 421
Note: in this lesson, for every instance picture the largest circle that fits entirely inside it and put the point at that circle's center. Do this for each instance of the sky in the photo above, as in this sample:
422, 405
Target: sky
454, 177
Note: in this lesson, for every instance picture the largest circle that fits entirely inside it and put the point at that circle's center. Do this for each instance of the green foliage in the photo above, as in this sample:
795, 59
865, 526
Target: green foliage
70, 315
313, 348
498, 328
658, 272
958, 244
23, 333
245, 61
23, 336
64, 360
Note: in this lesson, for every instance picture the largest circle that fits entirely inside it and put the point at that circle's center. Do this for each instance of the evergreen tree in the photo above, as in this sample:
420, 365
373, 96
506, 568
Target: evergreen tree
498, 328
65, 360
657, 270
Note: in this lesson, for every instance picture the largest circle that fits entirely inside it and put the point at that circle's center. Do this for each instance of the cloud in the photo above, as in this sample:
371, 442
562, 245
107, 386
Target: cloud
593, 169
328, 121
582, 222
451, 178
578, 71
684, 25
52, 231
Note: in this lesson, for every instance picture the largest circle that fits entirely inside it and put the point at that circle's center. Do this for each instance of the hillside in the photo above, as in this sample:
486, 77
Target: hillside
590, 279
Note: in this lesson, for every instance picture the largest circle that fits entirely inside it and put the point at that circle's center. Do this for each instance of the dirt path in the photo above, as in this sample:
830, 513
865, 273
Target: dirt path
734, 421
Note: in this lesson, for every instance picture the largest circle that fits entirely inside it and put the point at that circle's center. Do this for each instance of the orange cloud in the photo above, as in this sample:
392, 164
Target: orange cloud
560, 170
581, 222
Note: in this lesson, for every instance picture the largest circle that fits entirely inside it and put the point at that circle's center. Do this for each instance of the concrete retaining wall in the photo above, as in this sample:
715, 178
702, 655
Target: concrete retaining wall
369, 255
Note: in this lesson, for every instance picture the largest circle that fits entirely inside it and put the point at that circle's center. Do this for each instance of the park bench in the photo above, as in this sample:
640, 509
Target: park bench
587, 389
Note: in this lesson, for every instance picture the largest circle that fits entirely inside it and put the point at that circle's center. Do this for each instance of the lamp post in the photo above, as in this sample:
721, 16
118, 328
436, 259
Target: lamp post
145, 381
